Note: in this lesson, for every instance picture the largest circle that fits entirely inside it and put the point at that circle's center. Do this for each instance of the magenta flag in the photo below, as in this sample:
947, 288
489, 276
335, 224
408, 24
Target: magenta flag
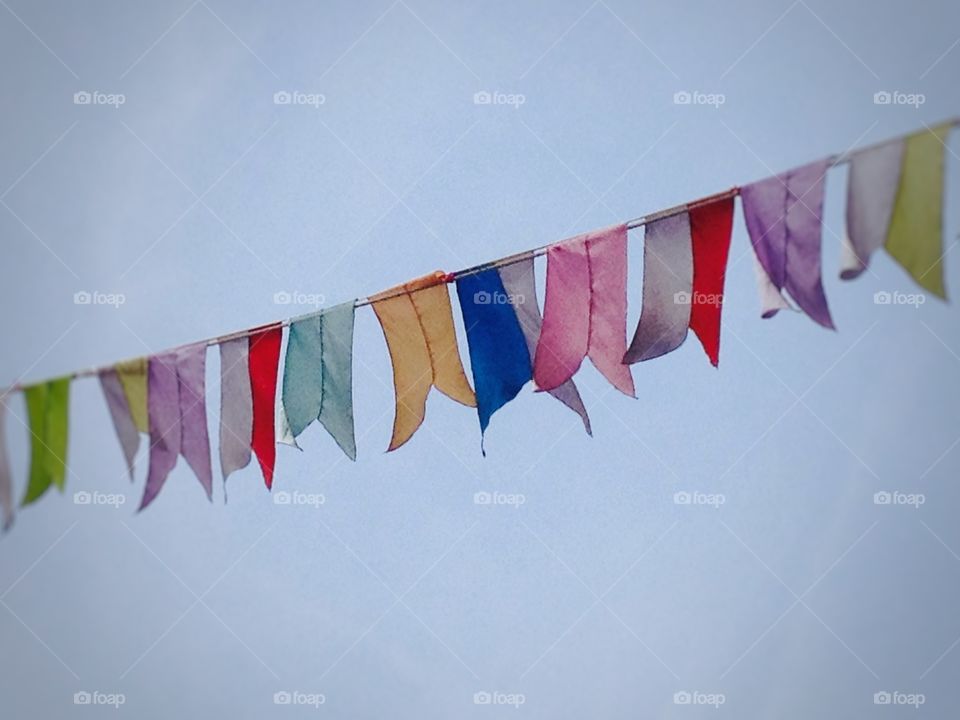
585, 313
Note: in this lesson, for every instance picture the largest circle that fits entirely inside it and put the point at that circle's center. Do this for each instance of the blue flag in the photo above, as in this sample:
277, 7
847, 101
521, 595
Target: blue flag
498, 351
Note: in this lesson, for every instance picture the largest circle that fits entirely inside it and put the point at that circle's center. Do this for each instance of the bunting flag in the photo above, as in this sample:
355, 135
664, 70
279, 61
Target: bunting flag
711, 228
684, 267
177, 411
318, 375
585, 312
667, 287
915, 239
133, 378
122, 418
519, 281
6, 477
417, 323
872, 183
236, 406
498, 350
48, 406
784, 219
264, 361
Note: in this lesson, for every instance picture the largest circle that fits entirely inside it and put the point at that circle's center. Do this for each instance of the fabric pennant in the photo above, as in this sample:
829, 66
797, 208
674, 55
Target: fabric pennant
872, 184
264, 361
178, 418
7, 510
498, 350
711, 230
123, 422
48, 406
915, 239
784, 219
236, 406
133, 377
519, 281
417, 323
667, 289
318, 376
585, 313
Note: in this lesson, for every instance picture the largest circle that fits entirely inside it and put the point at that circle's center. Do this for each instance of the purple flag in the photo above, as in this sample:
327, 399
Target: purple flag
178, 418
120, 413
784, 216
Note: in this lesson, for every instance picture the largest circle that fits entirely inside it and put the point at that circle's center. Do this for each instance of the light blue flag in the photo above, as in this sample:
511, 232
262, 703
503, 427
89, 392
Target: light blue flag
318, 375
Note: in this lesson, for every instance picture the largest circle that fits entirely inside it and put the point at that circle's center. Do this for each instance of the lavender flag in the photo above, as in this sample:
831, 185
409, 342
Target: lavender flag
784, 216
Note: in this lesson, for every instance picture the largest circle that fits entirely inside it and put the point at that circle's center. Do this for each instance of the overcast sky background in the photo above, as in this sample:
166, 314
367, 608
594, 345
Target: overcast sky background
199, 199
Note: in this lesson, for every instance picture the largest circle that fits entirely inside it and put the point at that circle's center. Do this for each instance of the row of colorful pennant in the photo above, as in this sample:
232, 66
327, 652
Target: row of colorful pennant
894, 200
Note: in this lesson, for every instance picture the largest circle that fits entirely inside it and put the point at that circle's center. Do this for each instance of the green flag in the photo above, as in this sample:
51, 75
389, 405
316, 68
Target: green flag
915, 238
47, 407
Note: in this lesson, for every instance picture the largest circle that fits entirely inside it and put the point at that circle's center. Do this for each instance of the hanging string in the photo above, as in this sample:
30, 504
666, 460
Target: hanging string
638, 222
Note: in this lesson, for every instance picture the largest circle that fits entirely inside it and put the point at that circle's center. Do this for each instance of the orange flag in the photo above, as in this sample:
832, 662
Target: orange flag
417, 324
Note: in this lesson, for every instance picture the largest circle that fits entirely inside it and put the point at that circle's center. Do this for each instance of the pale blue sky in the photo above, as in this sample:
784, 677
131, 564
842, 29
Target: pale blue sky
199, 199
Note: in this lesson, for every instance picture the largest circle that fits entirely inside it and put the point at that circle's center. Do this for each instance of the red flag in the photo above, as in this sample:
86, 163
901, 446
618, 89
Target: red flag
264, 359
710, 229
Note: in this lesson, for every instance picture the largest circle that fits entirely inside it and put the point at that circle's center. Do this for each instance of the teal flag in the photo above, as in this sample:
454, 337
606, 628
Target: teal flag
318, 375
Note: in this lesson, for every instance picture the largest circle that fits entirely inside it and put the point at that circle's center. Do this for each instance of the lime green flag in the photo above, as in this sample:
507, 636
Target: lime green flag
47, 407
915, 238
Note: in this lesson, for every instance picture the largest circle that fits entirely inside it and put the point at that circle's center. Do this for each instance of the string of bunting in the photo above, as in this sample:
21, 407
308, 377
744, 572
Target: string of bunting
894, 201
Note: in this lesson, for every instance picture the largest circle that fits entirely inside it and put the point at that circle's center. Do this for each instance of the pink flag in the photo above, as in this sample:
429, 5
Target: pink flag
585, 314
